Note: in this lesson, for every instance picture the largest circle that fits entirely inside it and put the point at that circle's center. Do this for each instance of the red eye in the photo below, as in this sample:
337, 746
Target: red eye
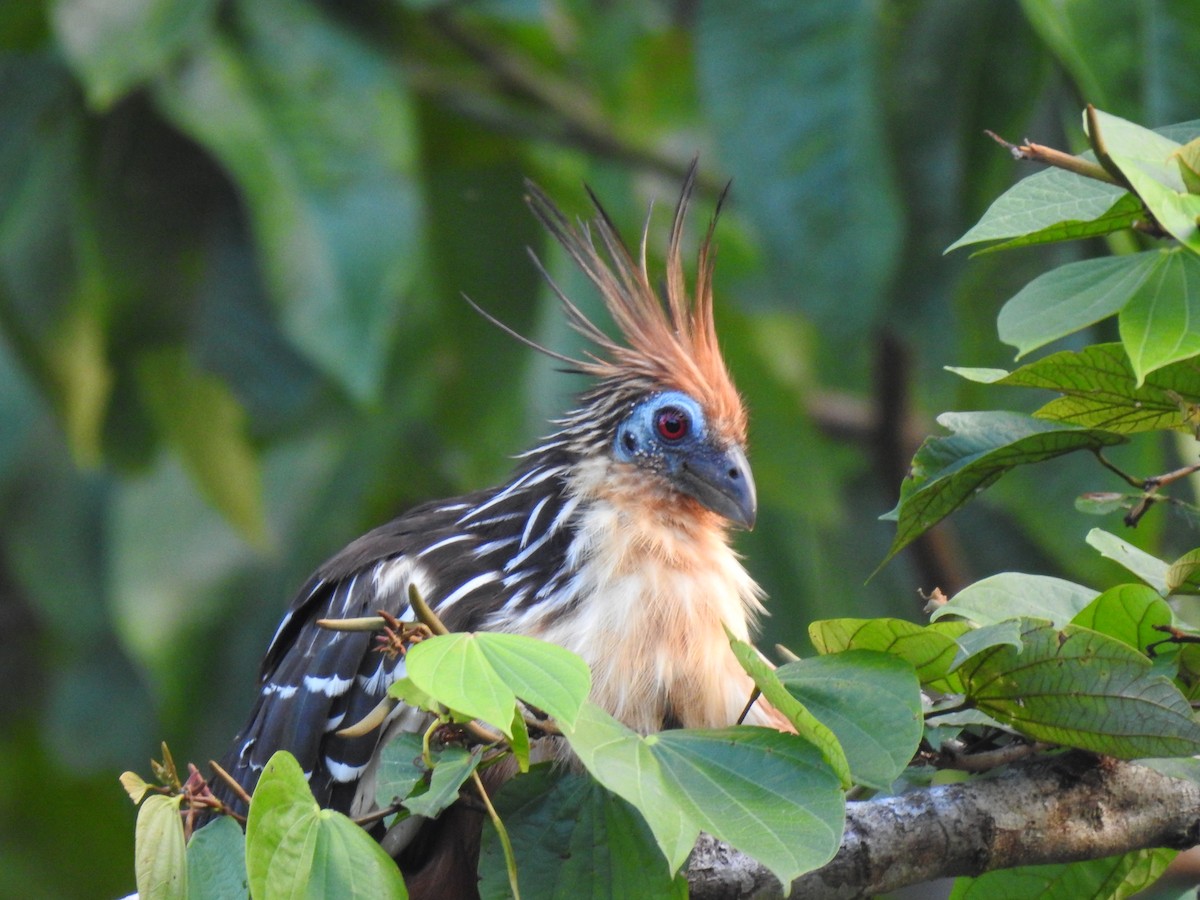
672, 423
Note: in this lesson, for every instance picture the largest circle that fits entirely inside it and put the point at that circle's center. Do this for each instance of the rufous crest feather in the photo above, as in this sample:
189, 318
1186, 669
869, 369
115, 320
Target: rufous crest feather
672, 343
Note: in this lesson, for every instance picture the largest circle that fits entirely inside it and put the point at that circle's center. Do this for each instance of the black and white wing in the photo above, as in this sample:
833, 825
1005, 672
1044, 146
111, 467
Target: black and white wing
478, 560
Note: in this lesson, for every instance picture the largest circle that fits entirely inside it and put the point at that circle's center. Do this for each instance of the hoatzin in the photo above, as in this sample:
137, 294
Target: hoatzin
610, 539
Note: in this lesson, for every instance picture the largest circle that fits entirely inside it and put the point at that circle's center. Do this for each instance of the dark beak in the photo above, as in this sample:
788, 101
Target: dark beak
721, 480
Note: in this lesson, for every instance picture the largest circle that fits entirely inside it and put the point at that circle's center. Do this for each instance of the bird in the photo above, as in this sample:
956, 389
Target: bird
611, 538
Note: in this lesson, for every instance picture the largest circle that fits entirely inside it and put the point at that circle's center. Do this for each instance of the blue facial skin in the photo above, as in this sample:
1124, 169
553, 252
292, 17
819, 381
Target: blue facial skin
668, 433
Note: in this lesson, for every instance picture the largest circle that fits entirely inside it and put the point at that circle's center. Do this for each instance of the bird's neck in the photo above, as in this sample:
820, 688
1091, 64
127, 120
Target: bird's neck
656, 586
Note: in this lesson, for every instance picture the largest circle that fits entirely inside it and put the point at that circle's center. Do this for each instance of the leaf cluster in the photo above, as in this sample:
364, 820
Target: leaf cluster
1134, 178
1013, 665
1053, 662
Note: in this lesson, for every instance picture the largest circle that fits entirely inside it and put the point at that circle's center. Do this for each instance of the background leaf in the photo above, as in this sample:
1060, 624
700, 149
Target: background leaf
329, 204
208, 429
114, 47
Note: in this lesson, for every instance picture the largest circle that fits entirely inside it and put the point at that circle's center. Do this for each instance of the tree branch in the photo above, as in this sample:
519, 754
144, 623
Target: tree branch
1063, 809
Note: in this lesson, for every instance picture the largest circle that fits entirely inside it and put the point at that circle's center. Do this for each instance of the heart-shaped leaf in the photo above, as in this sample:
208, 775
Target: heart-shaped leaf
294, 847
767, 793
483, 674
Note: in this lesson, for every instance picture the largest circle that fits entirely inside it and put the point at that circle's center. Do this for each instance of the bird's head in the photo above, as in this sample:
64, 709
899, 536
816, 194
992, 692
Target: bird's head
668, 434
666, 404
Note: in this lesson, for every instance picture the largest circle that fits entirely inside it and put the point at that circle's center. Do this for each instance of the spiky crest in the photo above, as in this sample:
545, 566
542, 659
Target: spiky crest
672, 344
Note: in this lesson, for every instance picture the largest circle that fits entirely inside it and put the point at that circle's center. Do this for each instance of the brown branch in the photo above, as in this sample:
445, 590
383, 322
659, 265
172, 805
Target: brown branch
1056, 158
954, 755
1062, 809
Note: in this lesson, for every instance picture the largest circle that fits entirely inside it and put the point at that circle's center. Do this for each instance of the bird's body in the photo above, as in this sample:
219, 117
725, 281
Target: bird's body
609, 539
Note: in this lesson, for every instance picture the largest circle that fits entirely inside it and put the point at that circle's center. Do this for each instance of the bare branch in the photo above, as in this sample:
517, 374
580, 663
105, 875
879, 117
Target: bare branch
1066, 808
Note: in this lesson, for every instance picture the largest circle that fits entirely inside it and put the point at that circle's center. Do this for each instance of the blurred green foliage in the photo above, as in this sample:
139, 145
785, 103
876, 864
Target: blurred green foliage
234, 238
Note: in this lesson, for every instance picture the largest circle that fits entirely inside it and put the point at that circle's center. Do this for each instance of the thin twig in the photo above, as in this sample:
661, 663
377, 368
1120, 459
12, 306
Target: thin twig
1116, 471
955, 756
510, 860
1056, 158
371, 818
231, 782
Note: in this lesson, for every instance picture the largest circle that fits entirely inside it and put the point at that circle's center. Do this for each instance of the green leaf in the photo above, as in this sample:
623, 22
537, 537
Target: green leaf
808, 726
1136, 148
1072, 297
1151, 570
482, 674
317, 131
930, 650
622, 761
1158, 323
296, 849
453, 767
1010, 595
400, 768
1149, 162
216, 862
347, 862
115, 46
405, 691
83, 378
208, 429
1056, 205
1129, 612
976, 640
767, 793
519, 742
1188, 159
1080, 688
1100, 389
948, 471
1071, 31
1053, 205
1126, 212
1111, 878
872, 703
1186, 768
160, 865
1183, 576
575, 839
